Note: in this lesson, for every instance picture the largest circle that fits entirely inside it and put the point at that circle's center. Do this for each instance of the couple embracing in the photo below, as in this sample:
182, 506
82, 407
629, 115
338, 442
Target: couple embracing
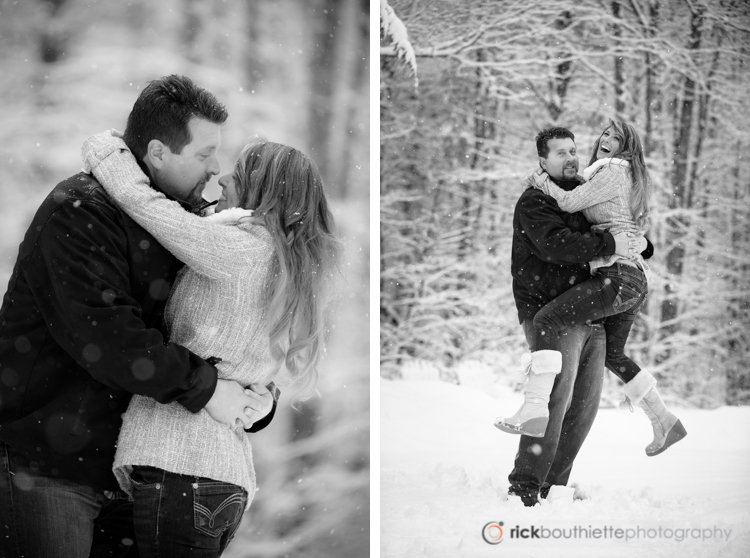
579, 281
143, 334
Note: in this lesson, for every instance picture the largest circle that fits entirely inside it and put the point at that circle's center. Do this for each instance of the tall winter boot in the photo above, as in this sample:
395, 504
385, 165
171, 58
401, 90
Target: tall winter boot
532, 418
668, 429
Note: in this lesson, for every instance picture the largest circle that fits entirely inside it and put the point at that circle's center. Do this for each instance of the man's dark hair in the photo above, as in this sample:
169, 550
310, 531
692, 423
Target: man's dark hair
163, 110
543, 137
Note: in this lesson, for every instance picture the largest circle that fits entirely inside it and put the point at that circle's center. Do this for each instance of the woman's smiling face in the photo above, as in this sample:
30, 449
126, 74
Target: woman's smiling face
229, 195
609, 143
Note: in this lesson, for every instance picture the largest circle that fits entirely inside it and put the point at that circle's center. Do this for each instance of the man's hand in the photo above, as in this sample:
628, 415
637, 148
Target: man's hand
629, 245
227, 404
261, 405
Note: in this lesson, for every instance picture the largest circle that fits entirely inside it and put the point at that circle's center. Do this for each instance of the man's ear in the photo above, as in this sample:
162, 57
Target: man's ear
543, 163
155, 153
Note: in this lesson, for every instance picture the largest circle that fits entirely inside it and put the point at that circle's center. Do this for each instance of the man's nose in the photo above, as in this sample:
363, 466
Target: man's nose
213, 166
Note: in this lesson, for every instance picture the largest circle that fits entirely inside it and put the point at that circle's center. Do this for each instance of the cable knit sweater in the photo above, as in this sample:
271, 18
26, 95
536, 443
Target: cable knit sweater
216, 308
604, 199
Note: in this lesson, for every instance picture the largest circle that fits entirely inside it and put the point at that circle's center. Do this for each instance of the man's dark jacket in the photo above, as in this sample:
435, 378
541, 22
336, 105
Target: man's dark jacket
80, 332
551, 249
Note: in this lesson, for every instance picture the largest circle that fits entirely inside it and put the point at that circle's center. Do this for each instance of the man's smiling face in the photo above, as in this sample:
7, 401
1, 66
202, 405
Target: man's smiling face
561, 162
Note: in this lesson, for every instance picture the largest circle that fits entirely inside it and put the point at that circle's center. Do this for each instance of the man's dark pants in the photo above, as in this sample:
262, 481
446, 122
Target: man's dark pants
48, 517
574, 402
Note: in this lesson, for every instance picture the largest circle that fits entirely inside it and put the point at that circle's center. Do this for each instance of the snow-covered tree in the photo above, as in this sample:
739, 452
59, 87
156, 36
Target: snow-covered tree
393, 29
454, 152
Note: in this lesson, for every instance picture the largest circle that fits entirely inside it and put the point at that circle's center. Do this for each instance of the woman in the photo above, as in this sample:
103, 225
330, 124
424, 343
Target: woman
251, 294
614, 198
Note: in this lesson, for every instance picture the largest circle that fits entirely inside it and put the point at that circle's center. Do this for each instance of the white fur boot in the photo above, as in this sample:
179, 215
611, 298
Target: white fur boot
532, 418
668, 429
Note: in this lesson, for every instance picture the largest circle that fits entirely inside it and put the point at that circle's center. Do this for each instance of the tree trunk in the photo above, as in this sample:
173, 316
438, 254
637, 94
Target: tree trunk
53, 39
254, 66
351, 50
653, 100
323, 21
562, 72
679, 180
191, 29
619, 92
473, 192
703, 105
340, 49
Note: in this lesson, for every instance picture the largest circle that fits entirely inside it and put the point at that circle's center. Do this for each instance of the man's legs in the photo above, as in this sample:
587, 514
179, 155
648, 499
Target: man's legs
535, 455
44, 517
583, 407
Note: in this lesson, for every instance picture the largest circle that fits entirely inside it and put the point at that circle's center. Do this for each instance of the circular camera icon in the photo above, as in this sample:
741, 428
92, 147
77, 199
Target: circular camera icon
492, 533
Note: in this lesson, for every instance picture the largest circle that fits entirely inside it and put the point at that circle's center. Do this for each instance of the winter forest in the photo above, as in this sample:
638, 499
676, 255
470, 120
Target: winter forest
293, 71
465, 87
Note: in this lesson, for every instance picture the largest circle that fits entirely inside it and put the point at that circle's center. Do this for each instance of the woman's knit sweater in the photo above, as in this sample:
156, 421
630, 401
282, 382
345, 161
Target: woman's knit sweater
216, 308
604, 200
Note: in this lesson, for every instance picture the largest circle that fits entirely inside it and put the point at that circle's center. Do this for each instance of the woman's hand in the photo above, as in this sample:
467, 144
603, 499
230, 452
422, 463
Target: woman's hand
98, 147
538, 179
629, 245
637, 245
228, 405
261, 403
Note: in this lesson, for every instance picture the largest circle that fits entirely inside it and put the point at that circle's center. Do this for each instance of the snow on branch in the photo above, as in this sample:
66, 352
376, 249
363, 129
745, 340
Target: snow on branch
392, 27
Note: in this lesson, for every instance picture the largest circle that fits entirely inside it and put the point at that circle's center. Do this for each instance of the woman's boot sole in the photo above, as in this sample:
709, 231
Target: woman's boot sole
535, 427
676, 433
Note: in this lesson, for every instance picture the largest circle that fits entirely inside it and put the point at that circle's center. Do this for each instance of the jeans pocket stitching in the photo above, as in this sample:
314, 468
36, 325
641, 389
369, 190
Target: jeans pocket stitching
226, 503
202, 511
233, 530
620, 305
630, 298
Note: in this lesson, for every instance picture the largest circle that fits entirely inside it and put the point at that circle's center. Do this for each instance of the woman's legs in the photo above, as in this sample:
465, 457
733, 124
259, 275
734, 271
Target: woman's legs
178, 515
668, 429
616, 295
584, 303
640, 385
612, 290
617, 329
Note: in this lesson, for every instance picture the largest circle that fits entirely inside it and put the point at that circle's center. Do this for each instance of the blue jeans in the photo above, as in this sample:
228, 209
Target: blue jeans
574, 402
49, 517
616, 294
177, 515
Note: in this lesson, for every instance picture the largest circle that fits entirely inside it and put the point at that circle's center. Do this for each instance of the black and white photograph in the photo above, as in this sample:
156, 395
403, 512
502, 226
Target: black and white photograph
564, 278
260, 303
184, 260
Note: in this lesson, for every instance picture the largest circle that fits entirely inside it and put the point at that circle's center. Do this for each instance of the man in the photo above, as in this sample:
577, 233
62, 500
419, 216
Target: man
551, 251
80, 333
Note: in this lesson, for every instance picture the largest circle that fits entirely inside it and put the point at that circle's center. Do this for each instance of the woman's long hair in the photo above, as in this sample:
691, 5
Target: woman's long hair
631, 150
284, 189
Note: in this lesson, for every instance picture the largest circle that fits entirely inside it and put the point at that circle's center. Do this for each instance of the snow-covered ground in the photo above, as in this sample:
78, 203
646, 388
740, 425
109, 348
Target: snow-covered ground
444, 470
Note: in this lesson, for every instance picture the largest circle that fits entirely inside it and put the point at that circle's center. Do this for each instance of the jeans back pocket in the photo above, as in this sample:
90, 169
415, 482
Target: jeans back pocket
217, 506
628, 295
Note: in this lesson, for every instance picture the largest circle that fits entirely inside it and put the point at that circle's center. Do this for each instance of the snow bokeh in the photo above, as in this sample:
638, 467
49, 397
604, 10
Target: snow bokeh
259, 58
